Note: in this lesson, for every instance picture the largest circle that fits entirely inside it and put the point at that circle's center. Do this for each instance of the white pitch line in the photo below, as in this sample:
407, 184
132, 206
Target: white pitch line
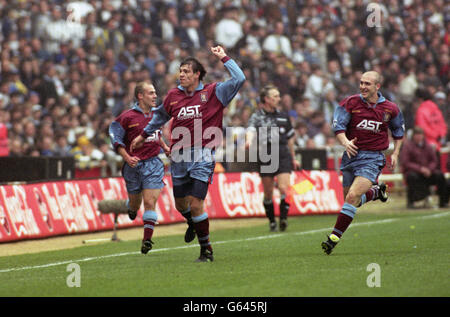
438, 215
357, 224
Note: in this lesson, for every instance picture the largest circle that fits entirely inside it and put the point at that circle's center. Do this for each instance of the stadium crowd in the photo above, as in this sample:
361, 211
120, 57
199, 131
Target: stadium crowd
68, 68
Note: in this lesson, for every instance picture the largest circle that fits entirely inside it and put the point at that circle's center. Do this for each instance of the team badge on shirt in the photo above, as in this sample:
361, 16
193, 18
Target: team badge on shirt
203, 97
386, 117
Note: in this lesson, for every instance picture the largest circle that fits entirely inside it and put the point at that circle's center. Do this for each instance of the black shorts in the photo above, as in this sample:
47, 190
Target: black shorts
284, 166
194, 187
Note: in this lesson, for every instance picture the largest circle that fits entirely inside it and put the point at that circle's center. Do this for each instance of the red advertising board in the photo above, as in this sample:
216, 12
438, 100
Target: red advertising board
65, 207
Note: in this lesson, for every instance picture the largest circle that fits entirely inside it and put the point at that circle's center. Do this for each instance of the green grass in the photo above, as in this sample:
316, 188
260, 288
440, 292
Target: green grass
410, 247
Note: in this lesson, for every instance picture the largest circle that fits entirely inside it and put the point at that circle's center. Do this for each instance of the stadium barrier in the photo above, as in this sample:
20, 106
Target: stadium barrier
53, 208
28, 168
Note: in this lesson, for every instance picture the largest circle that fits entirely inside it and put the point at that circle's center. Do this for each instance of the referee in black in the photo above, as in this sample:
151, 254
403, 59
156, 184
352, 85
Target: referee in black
266, 117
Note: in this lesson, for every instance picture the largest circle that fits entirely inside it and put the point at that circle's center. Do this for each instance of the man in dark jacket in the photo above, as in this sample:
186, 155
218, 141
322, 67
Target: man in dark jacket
421, 170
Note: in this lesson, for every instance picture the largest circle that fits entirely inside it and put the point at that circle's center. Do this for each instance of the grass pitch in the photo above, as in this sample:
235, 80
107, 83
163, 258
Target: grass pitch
408, 250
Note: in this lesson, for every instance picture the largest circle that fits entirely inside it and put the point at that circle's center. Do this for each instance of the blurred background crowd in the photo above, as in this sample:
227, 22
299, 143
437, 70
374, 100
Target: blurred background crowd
68, 68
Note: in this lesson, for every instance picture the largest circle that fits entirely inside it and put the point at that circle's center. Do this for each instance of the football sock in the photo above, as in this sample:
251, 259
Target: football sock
344, 219
334, 238
284, 207
268, 206
149, 219
370, 195
187, 214
127, 202
201, 225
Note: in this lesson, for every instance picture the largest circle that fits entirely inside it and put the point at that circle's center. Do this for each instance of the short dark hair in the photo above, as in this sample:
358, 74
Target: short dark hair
422, 93
196, 66
265, 91
139, 89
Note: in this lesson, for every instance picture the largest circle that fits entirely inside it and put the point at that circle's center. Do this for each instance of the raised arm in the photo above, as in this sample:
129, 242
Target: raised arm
226, 90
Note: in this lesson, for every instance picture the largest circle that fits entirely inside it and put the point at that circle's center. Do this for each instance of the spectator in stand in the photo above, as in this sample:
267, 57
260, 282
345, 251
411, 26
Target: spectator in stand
442, 100
329, 104
301, 135
47, 87
229, 29
111, 37
62, 147
169, 24
45, 146
321, 138
315, 122
429, 117
250, 43
278, 42
4, 146
316, 85
87, 155
190, 33
29, 133
420, 167
110, 100
15, 147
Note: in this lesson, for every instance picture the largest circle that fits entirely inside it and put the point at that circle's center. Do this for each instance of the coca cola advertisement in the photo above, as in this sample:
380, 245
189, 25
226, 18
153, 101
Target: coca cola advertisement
47, 209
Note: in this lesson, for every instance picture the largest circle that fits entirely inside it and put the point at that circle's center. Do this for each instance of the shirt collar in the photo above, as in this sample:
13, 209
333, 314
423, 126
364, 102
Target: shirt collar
199, 87
268, 113
137, 108
380, 99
